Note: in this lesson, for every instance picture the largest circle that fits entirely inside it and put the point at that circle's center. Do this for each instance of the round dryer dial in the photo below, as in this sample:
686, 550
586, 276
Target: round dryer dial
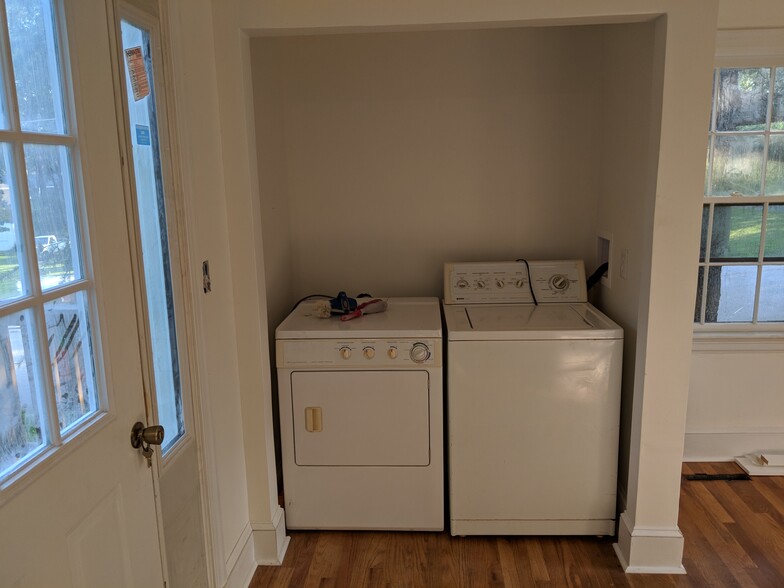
419, 353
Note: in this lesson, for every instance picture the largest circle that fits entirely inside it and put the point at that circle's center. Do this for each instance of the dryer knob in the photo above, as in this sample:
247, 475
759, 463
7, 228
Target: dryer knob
369, 352
419, 353
345, 352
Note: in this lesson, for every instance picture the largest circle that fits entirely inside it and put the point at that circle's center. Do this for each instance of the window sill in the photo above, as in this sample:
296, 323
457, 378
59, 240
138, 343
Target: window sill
739, 338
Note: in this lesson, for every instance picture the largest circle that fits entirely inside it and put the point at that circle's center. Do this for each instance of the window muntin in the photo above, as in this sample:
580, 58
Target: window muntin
741, 273
47, 371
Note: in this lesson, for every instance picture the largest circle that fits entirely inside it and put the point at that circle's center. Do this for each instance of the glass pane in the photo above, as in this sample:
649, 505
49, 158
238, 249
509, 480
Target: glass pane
737, 165
736, 231
730, 297
34, 53
54, 217
71, 354
21, 413
777, 122
153, 229
774, 176
774, 232
704, 231
742, 103
771, 304
10, 280
698, 305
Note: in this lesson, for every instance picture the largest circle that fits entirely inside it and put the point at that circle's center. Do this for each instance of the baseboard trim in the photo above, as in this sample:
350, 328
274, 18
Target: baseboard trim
642, 550
270, 541
241, 564
727, 445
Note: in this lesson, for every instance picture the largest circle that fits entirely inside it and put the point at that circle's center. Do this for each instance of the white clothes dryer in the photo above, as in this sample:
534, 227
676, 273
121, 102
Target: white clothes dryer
533, 401
361, 410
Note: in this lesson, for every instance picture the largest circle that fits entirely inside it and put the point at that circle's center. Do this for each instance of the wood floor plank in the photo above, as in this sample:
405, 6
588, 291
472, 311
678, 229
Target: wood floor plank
733, 531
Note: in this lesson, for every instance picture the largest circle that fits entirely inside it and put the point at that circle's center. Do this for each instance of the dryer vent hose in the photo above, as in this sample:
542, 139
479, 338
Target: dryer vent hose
597, 275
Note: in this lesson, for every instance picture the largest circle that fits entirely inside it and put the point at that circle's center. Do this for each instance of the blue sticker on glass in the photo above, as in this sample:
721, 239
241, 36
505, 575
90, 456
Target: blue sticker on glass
142, 135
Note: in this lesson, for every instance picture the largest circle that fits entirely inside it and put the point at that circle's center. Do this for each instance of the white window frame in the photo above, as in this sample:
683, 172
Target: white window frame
56, 444
748, 48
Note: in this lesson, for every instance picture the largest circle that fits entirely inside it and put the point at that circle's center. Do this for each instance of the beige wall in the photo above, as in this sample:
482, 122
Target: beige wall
631, 118
400, 151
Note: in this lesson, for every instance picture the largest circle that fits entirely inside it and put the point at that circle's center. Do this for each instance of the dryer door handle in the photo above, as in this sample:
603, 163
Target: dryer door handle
313, 420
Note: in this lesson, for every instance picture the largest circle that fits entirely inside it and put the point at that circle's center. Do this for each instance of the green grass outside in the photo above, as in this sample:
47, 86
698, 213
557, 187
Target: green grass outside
745, 228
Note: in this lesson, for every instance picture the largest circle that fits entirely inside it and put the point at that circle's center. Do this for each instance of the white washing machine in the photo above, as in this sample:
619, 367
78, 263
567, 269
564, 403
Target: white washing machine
533, 401
361, 411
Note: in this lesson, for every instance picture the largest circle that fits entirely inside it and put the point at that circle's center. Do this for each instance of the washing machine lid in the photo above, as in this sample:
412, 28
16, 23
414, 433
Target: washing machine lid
405, 317
528, 322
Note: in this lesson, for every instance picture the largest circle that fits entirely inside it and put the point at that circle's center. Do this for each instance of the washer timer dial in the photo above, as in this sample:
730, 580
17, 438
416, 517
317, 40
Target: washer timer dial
419, 353
559, 282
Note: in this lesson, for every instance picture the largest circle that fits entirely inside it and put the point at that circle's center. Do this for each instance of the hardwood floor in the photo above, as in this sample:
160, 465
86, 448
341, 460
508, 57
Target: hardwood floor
734, 533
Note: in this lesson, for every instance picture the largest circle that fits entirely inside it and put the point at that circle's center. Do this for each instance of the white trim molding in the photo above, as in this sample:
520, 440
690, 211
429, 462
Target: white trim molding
642, 550
241, 564
270, 541
727, 444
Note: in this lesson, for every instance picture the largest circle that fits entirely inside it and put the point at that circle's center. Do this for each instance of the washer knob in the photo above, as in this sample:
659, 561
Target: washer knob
369, 352
500, 283
462, 284
559, 282
481, 284
392, 353
419, 353
520, 283
345, 352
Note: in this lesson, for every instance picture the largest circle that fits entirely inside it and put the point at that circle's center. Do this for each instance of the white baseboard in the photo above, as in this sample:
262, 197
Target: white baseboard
241, 564
270, 540
727, 445
259, 545
649, 550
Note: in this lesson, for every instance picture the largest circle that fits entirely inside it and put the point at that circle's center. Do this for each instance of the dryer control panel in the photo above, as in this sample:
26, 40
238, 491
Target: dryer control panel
515, 282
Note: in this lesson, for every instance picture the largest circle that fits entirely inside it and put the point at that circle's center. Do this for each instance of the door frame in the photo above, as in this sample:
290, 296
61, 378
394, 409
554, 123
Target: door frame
140, 12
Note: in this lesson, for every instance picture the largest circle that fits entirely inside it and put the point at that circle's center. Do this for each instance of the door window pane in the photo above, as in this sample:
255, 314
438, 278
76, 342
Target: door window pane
771, 304
10, 279
736, 231
21, 414
150, 199
70, 352
737, 165
774, 175
774, 232
730, 296
54, 217
742, 103
35, 55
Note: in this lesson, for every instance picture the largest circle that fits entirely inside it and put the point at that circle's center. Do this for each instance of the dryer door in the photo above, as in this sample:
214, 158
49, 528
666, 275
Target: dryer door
361, 418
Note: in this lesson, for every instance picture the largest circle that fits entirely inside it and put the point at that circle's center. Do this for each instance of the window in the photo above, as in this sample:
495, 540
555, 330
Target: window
47, 375
741, 270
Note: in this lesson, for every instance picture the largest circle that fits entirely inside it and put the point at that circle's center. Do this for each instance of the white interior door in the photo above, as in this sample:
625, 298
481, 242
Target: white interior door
77, 503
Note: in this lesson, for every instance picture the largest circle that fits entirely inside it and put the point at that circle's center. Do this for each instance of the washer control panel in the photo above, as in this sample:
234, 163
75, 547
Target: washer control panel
355, 353
513, 282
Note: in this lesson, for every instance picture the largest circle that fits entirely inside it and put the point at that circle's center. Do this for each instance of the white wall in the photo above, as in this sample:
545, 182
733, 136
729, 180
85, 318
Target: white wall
735, 401
631, 116
403, 150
